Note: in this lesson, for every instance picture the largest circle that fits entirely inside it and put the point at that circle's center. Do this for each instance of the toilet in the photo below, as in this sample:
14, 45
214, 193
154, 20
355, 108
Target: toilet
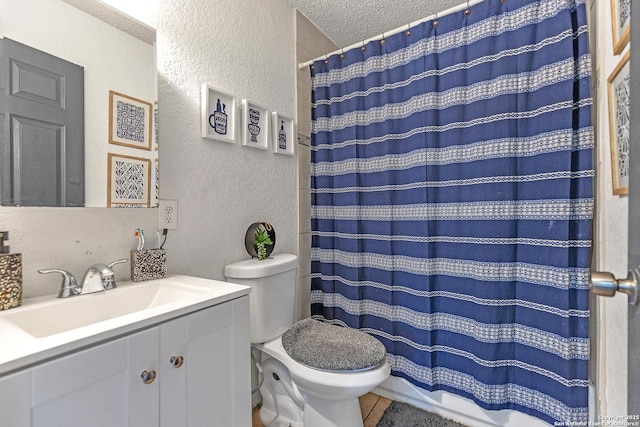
313, 372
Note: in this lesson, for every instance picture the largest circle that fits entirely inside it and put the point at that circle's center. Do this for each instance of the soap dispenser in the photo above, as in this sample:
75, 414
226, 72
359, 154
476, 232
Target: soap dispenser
10, 276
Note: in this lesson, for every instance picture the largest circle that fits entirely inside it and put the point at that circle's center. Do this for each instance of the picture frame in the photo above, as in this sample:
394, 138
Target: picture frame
621, 24
283, 134
619, 117
156, 182
128, 181
130, 122
218, 121
255, 125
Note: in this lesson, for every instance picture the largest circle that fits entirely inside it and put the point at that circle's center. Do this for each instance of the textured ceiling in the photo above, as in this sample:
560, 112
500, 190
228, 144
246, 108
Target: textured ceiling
347, 22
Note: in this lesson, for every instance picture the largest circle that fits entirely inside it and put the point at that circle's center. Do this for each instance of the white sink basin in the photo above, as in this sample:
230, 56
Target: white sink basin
48, 326
64, 314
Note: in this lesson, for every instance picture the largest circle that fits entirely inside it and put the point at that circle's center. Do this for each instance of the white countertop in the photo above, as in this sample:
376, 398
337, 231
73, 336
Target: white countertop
19, 349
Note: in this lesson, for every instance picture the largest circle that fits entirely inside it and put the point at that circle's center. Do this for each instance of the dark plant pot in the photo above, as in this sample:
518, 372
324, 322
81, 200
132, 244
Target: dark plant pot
251, 231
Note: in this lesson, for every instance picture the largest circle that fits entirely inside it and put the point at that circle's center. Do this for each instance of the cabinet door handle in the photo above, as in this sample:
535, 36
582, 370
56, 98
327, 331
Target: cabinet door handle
176, 361
148, 376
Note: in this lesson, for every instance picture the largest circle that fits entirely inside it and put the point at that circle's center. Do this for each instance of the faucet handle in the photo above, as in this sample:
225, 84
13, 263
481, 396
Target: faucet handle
118, 261
109, 280
68, 287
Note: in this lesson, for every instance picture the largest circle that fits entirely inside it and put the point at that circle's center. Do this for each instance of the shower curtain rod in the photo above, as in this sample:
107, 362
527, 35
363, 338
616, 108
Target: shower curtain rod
445, 12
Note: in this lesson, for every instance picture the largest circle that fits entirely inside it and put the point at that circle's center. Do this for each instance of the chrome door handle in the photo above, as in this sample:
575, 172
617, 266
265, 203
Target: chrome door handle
605, 284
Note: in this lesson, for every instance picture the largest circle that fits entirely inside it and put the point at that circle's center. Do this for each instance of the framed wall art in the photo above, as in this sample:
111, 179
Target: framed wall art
283, 134
218, 115
621, 24
130, 121
619, 90
128, 181
255, 125
156, 182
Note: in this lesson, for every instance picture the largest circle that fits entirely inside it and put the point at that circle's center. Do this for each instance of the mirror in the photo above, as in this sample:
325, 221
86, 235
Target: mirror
118, 56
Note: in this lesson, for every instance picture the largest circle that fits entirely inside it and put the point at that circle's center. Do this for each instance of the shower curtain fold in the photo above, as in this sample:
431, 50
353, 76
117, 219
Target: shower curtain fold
452, 202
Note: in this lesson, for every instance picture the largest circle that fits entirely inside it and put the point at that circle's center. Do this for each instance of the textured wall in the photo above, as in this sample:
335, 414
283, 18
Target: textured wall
245, 48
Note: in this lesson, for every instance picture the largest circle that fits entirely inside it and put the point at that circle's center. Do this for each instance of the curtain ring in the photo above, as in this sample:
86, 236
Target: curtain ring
326, 59
435, 21
342, 54
468, 11
408, 33
383, 41
363, 48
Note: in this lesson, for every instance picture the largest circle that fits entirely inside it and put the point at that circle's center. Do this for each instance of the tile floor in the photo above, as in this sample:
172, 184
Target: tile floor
371, 405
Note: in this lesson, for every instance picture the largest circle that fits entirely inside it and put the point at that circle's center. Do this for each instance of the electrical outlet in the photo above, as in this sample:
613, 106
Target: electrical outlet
168, 214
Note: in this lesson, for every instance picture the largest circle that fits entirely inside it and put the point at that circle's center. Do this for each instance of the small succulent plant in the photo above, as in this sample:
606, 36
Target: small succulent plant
260, 239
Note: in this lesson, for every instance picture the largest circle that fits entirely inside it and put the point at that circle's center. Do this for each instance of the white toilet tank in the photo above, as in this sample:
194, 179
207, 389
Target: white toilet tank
272, 298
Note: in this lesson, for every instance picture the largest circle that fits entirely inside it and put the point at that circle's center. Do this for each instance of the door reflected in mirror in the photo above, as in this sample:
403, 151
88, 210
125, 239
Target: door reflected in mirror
36, 170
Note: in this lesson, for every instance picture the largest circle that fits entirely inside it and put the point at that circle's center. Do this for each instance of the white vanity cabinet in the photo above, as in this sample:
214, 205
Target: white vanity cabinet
196, 375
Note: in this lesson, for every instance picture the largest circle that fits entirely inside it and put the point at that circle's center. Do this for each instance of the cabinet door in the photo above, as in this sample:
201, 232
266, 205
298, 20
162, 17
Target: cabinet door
212, 386
173, 393
99, 387
87, 388
15, 399
143, 395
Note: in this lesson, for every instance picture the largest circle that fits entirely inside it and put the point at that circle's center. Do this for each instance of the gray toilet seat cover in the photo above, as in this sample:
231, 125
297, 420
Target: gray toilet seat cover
329, 347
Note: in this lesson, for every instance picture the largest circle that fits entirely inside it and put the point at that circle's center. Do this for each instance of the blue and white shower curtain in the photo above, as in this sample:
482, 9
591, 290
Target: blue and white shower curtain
452, 202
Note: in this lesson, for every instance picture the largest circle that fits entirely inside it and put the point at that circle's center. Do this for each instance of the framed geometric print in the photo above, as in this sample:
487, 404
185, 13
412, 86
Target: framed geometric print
129, 121
619, 123
620, 24
128, 181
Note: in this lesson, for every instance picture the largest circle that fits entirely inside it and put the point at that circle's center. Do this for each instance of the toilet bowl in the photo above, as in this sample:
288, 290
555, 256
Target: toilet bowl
293, 393
328, 398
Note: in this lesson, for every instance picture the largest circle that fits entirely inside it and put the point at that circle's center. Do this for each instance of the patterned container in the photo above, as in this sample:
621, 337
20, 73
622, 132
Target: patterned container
10, 281
148, 264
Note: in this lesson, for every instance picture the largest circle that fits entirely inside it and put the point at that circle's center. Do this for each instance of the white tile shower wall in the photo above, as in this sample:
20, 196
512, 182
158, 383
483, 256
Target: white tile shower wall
310, 43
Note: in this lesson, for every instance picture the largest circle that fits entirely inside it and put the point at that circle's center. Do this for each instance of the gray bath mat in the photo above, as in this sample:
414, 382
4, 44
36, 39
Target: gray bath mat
400, 414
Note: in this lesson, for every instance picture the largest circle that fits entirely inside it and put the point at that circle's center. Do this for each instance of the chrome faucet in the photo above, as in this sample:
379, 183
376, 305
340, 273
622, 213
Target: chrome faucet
99, 277
69, 287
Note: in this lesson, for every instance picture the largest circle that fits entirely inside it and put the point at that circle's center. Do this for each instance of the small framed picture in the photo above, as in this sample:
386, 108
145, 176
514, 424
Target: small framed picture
283, 134
621, 24
128, 181
619, 117
129, 121
255, 125
218, 115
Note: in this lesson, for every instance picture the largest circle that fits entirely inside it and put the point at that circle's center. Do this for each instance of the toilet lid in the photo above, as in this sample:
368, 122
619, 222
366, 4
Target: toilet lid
329, 347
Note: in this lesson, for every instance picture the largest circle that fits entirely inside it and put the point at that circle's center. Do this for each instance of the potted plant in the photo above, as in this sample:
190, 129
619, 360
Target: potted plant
261, 239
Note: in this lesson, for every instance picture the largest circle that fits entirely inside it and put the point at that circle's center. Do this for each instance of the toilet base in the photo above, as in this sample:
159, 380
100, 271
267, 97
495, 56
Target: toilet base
272, 419
332, 413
